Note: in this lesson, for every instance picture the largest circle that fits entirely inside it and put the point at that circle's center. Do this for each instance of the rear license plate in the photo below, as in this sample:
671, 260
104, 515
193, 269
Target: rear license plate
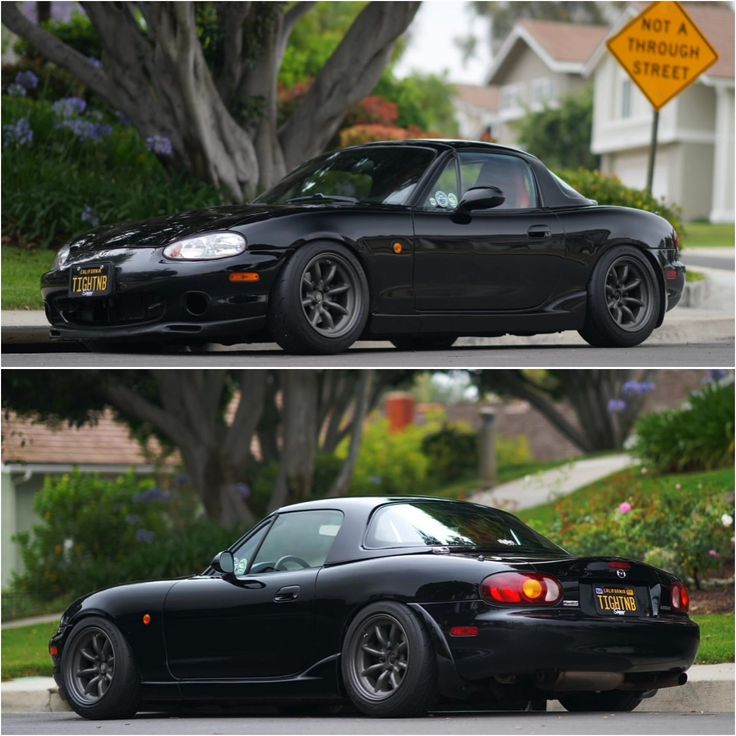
614, 600
90, 279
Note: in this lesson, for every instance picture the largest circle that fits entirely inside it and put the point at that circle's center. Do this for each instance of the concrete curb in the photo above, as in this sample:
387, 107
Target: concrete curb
710, 690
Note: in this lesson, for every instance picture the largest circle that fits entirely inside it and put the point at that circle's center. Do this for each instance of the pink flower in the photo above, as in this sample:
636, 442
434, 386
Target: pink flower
624, 507
713, 553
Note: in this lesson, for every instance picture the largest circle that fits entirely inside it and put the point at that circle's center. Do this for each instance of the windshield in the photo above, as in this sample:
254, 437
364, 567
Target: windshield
436, 523
374, 175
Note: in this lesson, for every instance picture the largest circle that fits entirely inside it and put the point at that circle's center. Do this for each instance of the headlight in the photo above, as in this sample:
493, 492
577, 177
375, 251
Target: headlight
62, 256
205, 247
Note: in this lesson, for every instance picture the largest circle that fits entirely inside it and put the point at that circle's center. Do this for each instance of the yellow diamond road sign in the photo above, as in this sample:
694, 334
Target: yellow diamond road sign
663, 51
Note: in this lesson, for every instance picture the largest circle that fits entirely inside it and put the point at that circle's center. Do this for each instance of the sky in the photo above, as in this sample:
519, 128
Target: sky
431, 47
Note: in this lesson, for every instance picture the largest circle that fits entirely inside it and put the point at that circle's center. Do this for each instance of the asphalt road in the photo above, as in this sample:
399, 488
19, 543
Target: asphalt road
723, 261
656, 355
465, 723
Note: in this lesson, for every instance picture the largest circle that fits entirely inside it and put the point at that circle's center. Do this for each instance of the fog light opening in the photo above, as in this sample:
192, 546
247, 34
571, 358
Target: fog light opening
196, 303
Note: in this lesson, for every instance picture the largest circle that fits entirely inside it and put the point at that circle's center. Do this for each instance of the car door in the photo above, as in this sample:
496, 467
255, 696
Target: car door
502, 259
258, 623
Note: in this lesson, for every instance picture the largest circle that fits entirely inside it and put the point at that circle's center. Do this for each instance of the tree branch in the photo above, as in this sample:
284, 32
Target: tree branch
56, 51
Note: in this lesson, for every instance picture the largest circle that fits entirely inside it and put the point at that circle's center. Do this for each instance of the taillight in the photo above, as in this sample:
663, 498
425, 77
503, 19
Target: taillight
521, 587
680, 598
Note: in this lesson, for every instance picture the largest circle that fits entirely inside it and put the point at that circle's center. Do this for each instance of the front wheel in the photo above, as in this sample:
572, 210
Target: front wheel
623, 300
99, 675
319, 304
387, 662
424, 342
613, 700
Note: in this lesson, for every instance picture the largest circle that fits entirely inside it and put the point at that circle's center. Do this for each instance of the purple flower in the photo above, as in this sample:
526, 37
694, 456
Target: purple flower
241, 489
86, 130
19, 133
69, 106
16, 90
615, 406
90, 216
152, 495
624, 508
27, 79
122, 117
182, 480
145, 535
96, 63
638, 388
376, 480
716, 375
159, 144
132, 519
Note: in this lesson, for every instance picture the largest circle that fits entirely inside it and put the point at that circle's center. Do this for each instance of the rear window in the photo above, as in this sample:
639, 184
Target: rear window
433, 523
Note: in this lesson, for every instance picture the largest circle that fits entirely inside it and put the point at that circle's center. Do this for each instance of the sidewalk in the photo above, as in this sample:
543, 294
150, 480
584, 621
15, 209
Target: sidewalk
47, 618
534, 490
710, 689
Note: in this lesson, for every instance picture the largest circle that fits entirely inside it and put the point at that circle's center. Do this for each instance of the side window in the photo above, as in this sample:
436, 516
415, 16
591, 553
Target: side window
509, 173
444, 192
297, 540
243, 555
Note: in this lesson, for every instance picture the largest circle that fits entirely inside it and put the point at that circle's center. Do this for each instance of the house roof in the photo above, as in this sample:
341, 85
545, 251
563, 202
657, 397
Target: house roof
716, 22
563, 47
481, 96
105, 443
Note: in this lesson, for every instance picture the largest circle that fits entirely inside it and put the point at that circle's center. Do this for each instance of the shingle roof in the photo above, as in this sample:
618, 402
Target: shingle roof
105, 443
716, 23
566, 42
484, 97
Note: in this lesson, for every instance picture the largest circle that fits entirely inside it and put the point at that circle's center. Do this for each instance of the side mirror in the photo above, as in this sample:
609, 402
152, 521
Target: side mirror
481, 198
223, 562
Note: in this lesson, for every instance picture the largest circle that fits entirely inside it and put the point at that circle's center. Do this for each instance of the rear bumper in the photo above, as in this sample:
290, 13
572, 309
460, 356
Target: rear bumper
527, 643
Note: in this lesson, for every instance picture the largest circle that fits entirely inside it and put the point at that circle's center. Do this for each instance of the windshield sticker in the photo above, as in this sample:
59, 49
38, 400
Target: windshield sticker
441, 198
433, 201
452, 199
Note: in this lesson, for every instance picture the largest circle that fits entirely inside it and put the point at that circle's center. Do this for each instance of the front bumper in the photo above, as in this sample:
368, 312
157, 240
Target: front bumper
157, 299
530, 642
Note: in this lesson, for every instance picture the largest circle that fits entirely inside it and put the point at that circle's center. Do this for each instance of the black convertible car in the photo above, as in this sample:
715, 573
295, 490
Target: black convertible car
417, 242
396, 604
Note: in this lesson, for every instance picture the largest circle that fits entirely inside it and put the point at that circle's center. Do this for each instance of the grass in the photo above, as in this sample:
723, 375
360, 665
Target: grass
25, 651
22, 269
706, 235
716, 638
693, 276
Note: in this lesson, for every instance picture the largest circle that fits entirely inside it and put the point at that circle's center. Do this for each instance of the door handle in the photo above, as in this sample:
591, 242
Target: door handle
287, 593
539, 231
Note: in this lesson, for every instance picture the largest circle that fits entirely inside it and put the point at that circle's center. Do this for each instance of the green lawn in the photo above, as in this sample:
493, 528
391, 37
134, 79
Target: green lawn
716, 638
22, 271
703, 234
25, 651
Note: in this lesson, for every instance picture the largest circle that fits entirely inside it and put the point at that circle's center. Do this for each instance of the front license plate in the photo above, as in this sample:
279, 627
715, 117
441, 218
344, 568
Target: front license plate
90, 279
615, 600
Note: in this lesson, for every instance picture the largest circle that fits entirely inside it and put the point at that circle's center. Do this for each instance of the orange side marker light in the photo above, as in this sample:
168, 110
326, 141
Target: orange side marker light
398, 247
146, 619
239, 277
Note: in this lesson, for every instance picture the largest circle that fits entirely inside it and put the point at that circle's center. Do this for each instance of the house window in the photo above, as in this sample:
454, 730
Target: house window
511, 97
626, 94
542, 90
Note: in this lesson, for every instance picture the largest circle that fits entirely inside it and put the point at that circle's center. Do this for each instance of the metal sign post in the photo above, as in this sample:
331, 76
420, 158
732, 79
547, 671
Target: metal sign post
663, 52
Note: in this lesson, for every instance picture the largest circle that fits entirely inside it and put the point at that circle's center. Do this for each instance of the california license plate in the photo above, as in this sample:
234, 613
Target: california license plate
90, 279
615, 600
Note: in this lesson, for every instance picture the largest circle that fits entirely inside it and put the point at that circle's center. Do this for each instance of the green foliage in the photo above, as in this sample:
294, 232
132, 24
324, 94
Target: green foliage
77, 32
674, 521
49, 183
608, 190
513, 451
699, 436
452, 451
96, 532
560, 135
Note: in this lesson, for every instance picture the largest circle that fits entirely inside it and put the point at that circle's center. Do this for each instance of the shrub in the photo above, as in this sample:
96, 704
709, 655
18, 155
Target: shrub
75, 171
513, 450
699, 436
452, 452
609, 190
96, 532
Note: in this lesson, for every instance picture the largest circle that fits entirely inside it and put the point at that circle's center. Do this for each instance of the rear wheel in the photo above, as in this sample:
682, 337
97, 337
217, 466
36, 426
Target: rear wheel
99, 675
613, 700
387, 662
424, 342
623, 300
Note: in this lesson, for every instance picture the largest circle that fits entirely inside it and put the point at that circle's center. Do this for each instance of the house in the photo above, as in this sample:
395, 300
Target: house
539, 63
695, 154
32, 451
476, 110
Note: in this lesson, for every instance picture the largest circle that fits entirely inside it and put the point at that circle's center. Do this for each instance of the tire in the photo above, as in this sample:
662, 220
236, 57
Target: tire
385, 692
301, 318
623, 300
110, 661
424, 342
613, 700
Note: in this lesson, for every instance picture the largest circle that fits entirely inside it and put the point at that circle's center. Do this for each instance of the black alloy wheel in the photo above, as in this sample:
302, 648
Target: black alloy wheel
92, 666
628, 293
